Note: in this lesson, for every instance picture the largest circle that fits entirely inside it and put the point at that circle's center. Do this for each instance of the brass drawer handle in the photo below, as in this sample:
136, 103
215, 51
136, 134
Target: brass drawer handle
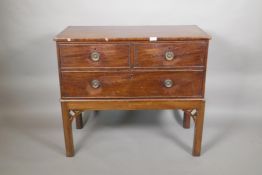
169, 55
95, 84
168, 83
95, 56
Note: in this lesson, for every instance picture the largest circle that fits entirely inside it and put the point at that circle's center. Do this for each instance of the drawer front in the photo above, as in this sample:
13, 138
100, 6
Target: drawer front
167, 84
94, 55
176, 84
170, 55
83, 85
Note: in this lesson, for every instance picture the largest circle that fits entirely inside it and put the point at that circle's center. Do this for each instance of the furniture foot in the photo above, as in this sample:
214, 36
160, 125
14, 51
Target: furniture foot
199, 121
186, 120
79, 121
67, 125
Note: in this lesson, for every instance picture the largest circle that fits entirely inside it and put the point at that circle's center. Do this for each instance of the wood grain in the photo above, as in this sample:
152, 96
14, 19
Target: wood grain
79, 55
79, 121
186, 54
131, 71
130, 33
186, 119
67, 125
132, 104
138, 84
199, 123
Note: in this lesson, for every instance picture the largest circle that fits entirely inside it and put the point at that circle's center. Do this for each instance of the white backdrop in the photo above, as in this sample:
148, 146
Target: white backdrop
28, 65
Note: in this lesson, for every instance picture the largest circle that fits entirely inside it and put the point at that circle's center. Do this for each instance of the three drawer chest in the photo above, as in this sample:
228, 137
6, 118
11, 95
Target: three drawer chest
132, 68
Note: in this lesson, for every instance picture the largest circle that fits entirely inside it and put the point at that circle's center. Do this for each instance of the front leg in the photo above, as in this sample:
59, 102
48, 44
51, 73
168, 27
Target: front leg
199, 121
67, 125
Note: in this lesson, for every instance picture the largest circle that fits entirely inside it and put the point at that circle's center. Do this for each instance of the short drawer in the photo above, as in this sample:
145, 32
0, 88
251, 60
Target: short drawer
170, 55
94, 55
176, 84
95, 84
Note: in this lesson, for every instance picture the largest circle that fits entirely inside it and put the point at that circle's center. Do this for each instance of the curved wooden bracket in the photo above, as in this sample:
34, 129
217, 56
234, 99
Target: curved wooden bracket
74, 114
194, 114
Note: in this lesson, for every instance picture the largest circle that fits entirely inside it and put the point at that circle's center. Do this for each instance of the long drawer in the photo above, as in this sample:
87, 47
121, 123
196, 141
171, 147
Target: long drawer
136, 84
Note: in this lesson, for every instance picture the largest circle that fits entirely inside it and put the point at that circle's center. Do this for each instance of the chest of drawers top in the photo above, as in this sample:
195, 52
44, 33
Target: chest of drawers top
131, 33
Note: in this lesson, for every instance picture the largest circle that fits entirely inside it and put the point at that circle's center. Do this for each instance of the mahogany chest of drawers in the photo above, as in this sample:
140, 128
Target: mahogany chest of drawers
132, 68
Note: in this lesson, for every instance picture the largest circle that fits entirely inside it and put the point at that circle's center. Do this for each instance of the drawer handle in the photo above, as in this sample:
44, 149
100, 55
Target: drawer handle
168, 83
95, 84
169, 55
95, 56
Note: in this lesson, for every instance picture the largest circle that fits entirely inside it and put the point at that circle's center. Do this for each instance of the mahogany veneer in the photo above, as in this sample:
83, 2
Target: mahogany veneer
132, 68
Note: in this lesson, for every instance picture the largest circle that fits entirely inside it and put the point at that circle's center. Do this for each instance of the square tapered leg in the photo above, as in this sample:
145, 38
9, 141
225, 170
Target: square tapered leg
199, 121
186, 120
79, 121
68, 135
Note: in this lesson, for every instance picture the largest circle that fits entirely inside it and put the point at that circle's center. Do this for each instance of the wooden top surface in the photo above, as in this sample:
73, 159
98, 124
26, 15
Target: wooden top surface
131, 33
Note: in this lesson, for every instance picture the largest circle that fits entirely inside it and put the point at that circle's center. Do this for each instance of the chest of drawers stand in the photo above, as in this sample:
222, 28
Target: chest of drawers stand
132, 68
